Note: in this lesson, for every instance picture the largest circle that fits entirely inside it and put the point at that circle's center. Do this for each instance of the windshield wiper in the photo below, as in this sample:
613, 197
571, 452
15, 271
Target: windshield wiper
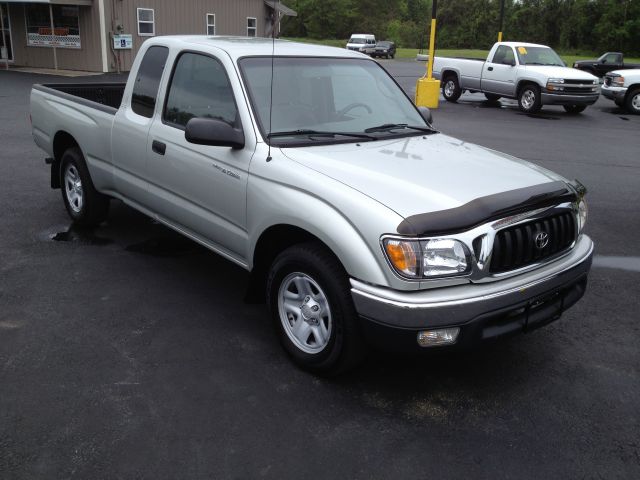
319, 133
397, 126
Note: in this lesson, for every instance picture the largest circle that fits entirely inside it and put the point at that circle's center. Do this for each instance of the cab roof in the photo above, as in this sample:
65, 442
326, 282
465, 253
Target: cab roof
522, 44
238, 47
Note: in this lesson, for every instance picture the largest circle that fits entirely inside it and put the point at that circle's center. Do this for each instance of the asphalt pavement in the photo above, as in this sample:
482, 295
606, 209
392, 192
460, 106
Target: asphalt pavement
128, 352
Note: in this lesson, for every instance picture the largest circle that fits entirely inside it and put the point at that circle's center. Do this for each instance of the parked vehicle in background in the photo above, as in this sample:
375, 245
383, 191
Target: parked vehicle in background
623, 87
384, 49
362, 42
606, 63
533, 74
358, 221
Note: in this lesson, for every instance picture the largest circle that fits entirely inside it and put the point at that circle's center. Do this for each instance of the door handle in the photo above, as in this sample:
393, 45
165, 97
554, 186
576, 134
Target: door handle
490, 69
158, 147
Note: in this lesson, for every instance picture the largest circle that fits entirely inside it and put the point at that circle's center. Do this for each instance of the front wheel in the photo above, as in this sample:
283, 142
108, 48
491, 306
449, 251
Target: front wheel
451, 90
529, 99
85, 205
632, 102
309, 297
574, 109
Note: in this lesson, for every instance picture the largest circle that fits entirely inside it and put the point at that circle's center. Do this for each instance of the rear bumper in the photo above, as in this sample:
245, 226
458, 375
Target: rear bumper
564, 99
392, 319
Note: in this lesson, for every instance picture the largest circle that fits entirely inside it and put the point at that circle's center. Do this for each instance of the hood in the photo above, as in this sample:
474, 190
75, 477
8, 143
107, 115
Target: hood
421, 174
585, 62
560, 72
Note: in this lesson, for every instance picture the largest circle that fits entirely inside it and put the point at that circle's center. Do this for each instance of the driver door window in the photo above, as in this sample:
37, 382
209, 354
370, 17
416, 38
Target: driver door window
199, 88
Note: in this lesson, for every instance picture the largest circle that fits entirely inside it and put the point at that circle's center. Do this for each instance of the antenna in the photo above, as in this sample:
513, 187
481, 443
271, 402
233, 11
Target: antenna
273, 52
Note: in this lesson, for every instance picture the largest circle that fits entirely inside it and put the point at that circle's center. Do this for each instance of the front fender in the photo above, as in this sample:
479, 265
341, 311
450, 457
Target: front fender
350, 224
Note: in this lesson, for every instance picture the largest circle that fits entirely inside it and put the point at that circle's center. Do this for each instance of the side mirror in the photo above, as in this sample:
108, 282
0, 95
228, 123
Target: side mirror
511, 63
209, 131
426, 115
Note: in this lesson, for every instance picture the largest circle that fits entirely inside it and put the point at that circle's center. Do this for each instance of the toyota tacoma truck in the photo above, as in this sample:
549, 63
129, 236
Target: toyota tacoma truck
308, 166
623, 87
533, 74
606, 63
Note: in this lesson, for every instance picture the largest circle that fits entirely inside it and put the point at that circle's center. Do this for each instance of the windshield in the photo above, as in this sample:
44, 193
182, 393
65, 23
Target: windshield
538, 56
328, 95
357, 40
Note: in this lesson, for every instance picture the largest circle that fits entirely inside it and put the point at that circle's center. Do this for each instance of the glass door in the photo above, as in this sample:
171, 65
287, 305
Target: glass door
5, 33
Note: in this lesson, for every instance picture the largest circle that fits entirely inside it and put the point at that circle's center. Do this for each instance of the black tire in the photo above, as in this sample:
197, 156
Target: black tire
529, 99
342, 348
619, 103
451, 90
393, 55
85, 205
632, 101
492, 97
574, 109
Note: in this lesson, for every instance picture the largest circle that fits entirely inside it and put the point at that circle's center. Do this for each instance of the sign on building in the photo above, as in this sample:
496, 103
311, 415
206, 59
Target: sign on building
122, 42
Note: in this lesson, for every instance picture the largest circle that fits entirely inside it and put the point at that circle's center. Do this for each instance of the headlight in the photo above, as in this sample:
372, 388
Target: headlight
583, 212
596, 82
555, 84
617, 81
438, 257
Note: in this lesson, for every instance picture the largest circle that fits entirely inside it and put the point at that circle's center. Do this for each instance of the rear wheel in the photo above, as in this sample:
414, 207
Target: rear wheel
451, 88
310, 301
492, 97
529, 99
632, 102
574, 109
85, 205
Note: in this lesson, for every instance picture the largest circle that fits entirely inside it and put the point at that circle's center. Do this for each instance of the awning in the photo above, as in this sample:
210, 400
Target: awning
53, 2
279, 7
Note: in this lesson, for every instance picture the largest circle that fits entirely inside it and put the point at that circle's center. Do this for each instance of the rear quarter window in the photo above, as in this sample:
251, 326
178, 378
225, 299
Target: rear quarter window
145, 90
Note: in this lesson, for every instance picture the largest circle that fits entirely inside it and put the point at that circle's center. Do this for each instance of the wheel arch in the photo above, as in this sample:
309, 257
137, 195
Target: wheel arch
524, 82
631, 88
449, 72
62, 141
271, 242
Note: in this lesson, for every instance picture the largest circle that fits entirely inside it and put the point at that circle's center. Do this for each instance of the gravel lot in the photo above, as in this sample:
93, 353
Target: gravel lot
127, 352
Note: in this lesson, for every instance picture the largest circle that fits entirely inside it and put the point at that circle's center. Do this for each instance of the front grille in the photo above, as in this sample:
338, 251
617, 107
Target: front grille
577, 89
515, 247
577, 82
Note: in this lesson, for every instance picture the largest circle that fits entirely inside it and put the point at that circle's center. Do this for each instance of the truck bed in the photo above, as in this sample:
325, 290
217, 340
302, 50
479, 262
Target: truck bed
103, 96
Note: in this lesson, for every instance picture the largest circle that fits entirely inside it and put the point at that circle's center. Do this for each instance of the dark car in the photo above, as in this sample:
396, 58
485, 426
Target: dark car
384, 49
606, 63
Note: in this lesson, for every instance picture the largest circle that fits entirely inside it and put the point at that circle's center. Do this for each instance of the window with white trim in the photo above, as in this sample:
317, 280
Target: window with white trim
252, 26
211, 23
146, 22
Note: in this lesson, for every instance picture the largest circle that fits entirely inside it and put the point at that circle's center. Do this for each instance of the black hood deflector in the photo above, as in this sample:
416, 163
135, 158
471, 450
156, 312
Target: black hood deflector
486, 209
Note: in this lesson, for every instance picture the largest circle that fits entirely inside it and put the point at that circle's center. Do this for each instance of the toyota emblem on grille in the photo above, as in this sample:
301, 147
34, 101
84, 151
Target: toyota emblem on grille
542, 240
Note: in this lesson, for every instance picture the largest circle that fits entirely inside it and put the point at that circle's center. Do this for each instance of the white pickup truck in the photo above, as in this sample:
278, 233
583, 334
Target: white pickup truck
533, 74
623, 87
314, 171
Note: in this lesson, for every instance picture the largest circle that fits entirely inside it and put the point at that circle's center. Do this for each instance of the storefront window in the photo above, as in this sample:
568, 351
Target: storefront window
6, 52
66, 26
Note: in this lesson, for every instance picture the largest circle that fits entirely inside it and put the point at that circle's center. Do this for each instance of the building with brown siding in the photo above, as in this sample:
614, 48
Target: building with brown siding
104, 35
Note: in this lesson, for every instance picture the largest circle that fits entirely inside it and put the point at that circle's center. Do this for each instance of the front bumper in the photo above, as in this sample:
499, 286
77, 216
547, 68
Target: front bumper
614, 93
568, 99
392, 319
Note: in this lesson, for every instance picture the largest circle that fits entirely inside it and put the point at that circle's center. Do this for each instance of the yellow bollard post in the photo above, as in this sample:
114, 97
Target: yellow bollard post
428, 88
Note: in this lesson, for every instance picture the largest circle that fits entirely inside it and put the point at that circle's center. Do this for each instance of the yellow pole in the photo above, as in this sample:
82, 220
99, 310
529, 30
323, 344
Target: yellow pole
499, 36
427, 87
432, 47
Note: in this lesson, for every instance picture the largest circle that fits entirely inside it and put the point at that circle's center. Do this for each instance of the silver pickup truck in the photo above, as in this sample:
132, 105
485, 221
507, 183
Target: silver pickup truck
360, 223
533, 74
